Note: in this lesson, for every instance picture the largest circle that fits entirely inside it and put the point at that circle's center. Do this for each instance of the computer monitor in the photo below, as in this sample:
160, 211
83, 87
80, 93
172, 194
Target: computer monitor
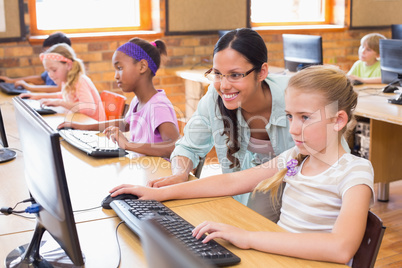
46, 180
391, 61
301, 51
396, 31
162, 249
5, 153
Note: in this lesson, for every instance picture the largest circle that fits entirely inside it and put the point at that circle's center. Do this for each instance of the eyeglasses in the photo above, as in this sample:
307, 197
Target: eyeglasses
233, 77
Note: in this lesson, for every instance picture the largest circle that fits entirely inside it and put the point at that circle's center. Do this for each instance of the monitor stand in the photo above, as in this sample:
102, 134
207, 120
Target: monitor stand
51, 254
6, 155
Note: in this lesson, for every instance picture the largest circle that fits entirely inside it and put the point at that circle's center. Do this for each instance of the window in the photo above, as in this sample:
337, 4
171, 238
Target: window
84, 16
289, 12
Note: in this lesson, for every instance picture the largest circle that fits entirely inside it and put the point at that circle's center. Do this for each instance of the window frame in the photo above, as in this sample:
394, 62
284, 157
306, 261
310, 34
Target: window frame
145, 22
328, 18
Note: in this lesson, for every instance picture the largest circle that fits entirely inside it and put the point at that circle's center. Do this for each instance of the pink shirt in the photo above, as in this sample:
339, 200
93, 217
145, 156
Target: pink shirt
145, 122
87, 98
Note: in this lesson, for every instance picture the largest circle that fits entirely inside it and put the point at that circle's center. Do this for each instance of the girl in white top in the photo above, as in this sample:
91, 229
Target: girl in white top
328, 192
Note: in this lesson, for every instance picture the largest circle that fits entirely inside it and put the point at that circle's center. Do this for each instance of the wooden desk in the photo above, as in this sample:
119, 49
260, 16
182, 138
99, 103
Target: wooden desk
98, 242
385, 135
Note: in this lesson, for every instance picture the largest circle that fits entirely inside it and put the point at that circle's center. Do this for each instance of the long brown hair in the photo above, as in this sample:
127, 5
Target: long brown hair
251, 45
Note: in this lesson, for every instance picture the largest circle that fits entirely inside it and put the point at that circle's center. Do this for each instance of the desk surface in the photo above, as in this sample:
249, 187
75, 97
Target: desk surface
372, 103
89, 180
100, 247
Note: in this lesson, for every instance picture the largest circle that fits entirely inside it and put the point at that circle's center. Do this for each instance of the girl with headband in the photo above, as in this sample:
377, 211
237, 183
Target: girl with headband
151, 119
78, 92
327, 192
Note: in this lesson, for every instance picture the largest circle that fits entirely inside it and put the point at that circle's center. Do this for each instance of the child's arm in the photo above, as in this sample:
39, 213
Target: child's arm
220, 185
372, 80
338, 246
181, 168
34, 79
39, 96
169, 134
101, 126
38, 88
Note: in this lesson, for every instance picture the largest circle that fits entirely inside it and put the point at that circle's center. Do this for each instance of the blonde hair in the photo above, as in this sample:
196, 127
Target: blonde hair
373, 41
335, 86
77, 65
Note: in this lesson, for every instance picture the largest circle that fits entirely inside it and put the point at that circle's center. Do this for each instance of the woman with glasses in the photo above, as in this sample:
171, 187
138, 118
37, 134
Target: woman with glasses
242, 115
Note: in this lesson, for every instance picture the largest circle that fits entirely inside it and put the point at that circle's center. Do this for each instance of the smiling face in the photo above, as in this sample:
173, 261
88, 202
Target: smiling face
312, 121
239, 93
57, 70
126, 71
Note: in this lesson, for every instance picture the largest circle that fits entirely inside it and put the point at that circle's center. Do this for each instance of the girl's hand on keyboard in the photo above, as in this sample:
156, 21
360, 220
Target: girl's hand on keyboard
236, 236
52, 102
116, 136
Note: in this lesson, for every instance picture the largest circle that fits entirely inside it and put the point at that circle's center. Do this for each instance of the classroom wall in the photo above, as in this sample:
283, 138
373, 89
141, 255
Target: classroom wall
185, 51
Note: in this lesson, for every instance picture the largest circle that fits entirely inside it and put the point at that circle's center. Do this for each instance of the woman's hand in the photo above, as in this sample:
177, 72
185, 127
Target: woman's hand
165, 181
236, 236
116, 135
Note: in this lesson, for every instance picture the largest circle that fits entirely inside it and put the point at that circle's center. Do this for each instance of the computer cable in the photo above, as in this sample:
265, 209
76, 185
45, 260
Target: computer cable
34, 208
86, 209
118, 243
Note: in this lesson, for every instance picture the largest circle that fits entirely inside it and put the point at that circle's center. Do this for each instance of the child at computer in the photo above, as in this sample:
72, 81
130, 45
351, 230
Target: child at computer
327, 193
367, 69
78, 92
41, 83
151, 119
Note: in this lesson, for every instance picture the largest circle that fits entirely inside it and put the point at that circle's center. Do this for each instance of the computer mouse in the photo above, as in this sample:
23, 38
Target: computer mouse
2, 81
389, 89
108, 199
357, 82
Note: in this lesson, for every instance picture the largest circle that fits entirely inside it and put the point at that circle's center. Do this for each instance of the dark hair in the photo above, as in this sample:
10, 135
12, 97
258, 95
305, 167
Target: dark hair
154, 51
251, 45
56, 38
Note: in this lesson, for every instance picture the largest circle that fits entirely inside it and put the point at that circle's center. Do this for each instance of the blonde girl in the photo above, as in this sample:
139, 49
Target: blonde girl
78, 93
327, 192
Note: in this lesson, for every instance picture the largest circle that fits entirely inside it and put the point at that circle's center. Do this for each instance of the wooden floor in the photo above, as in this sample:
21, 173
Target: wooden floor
390, 254
390, 212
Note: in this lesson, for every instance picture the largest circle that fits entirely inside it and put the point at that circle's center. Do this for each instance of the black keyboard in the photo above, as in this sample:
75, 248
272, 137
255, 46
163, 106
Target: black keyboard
91, 143
133, 211
10, 89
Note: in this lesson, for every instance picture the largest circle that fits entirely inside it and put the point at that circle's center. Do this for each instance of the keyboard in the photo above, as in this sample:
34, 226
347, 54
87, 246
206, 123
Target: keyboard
40, 109
133, 211
10, 89
92, 142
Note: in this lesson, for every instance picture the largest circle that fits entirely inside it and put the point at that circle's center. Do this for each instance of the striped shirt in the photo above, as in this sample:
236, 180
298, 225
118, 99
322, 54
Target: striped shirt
313, 203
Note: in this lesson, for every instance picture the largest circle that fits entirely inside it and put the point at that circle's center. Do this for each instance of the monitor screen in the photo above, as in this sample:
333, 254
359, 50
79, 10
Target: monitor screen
5, 154
300, 51
391, 61
396, 31
46, 181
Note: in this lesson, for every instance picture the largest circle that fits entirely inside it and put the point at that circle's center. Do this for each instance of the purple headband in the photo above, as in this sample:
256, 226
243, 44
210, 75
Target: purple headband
136, 52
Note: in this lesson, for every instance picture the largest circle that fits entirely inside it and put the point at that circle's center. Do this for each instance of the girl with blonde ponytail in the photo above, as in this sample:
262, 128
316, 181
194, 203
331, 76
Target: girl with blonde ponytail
78, 92
327, 192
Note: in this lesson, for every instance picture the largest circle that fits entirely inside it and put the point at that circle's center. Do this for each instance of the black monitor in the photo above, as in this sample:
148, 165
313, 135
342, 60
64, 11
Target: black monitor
46, 181
162, 249
301, 51
5, 153
396, 31
391, 61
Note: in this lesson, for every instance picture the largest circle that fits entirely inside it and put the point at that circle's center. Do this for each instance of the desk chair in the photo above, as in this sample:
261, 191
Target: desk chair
366, 255
114, 104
